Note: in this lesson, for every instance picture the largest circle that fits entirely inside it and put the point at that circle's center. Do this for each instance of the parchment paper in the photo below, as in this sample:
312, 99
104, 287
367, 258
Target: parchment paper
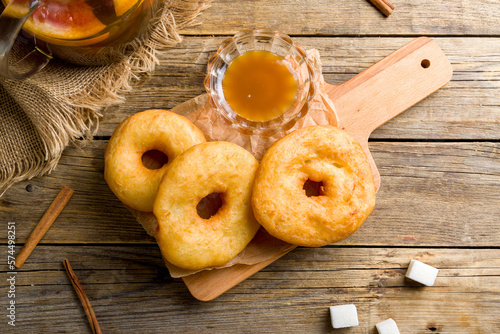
263, 247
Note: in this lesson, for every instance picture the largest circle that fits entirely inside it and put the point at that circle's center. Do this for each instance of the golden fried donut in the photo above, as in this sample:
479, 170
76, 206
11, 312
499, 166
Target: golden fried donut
323, 154
133, 183
189, 241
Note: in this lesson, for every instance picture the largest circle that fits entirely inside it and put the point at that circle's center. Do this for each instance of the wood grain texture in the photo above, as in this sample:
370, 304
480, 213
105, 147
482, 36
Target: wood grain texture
387, 88
466, 108
439, 201
129, 288
444, 194
337, 17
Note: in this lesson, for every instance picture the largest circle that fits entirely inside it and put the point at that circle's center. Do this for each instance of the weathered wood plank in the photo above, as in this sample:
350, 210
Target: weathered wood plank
298, 288
467, 108
337, 17
432, 194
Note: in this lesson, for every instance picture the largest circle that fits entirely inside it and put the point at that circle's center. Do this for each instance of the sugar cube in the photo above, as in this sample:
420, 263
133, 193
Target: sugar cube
387, 327
344, 316
421, 273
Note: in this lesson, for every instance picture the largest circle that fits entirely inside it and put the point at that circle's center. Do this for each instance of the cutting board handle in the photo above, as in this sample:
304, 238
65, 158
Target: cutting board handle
389, 87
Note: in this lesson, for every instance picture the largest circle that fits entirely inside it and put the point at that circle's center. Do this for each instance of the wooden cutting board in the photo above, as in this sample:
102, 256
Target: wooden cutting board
362, 104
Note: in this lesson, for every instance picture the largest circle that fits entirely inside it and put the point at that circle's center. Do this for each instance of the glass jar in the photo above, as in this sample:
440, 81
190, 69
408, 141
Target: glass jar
82, 32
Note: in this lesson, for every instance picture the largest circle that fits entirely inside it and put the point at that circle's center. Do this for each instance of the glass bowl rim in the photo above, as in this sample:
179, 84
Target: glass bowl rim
243, 125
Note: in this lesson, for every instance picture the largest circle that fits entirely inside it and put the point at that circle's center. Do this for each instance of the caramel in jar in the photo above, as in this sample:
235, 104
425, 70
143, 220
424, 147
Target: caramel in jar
259, 85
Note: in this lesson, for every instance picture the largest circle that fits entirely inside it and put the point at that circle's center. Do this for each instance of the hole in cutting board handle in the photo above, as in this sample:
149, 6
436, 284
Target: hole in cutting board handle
425, 63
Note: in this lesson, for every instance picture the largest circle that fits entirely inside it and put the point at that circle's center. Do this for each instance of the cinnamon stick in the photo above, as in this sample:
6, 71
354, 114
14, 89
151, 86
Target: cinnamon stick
385, 6
94, 325
44, 224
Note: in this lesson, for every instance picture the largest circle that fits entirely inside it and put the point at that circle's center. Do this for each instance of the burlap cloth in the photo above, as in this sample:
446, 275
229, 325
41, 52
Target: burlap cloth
41, 115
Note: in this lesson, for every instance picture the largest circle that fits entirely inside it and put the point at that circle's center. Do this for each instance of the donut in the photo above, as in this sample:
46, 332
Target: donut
133, 183
185, 239
337, 163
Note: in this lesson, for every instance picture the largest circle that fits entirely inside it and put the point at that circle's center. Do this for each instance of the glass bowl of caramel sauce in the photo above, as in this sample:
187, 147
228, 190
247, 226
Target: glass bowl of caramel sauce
260, 82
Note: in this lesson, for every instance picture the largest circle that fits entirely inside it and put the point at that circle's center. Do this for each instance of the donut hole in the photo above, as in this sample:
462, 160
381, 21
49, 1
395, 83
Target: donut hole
313, 188
154, 159
209, 205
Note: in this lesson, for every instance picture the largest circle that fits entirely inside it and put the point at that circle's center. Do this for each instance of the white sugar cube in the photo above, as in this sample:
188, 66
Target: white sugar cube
421, 273
344, 316
387, 327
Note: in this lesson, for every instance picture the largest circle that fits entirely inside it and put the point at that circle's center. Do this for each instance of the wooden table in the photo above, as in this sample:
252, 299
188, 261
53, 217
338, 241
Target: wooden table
439, 200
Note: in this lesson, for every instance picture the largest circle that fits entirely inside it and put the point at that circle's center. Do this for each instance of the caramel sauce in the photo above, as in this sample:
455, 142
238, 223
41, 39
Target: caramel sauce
259, 85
